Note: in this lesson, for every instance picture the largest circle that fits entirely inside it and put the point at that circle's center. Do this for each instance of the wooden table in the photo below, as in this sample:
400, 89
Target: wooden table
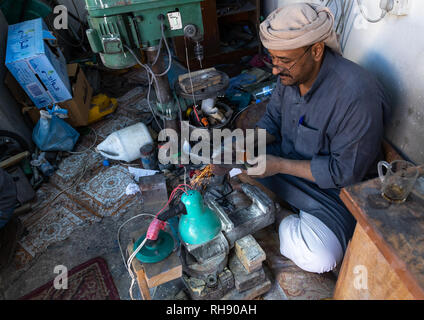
385, 258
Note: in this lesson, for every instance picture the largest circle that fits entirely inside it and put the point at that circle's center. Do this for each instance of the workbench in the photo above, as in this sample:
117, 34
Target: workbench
385, 258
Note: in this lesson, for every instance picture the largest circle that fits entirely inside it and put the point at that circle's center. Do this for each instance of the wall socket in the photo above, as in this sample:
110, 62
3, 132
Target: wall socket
401, 7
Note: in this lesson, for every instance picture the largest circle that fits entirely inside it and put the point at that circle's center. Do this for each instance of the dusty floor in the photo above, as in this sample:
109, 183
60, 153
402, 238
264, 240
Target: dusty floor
79, 211
84, 243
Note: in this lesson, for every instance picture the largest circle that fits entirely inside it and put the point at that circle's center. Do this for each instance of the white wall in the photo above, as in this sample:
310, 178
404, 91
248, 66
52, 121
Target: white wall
393, 50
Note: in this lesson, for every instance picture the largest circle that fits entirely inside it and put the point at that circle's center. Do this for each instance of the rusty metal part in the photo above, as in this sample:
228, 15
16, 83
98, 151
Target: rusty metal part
164, 94
212, 288
206, 93
198, 270
204, 252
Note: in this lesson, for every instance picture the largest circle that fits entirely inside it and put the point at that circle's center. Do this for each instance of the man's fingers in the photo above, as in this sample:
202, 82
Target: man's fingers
218, 170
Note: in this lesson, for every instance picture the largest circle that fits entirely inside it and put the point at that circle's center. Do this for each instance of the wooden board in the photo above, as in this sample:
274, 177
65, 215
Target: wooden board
249, 294
397, 230
164, 271
249, 253
159, 273
139, 274
366, 274
14, 160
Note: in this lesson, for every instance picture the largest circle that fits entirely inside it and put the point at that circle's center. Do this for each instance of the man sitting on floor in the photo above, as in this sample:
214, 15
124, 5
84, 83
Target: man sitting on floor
324, 127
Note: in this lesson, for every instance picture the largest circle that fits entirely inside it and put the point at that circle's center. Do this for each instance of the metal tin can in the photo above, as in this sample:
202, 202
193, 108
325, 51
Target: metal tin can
148, 156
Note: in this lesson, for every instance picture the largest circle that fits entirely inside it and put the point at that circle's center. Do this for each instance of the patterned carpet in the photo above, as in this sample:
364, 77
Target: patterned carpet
88, 281
87, 191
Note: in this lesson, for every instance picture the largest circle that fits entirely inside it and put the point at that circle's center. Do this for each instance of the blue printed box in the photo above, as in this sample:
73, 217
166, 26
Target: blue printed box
39, 67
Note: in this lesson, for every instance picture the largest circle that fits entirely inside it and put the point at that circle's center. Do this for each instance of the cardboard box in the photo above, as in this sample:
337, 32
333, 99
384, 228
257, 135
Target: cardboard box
39, 67
78, 107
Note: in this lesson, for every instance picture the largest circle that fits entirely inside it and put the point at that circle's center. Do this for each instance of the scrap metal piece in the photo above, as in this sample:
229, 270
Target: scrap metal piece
213, 265
243, 279
204, 252
200, 289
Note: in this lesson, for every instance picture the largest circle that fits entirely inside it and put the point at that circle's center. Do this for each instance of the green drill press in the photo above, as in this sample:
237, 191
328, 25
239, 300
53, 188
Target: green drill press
119, 29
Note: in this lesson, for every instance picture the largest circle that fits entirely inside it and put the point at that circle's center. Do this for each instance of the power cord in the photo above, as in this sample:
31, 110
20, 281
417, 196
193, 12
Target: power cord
89, 148
128, 262
150, 77
385, 6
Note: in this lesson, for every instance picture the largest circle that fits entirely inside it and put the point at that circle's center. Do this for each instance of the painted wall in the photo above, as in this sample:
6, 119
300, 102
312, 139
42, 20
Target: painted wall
393, 50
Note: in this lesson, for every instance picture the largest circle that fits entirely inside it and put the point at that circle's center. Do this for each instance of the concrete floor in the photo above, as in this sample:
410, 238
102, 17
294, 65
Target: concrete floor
87, 242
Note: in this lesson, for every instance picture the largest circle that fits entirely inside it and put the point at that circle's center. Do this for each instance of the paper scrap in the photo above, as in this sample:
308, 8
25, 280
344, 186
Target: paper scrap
132, 188
137, 172
235, 172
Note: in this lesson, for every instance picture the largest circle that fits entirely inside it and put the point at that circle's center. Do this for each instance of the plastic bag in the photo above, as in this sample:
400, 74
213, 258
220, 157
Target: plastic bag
52, 133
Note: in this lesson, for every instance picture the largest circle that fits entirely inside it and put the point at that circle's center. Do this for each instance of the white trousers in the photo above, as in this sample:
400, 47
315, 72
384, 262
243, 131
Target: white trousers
309, 243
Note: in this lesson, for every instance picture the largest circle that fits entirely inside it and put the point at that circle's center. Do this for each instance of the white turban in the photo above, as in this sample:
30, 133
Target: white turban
298, 25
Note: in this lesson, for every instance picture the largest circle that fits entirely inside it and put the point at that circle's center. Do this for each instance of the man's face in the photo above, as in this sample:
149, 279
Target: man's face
293, 66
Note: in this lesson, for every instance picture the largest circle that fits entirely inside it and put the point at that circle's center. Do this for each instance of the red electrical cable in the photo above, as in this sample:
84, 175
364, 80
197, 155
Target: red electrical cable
184, 184
173, 193
195, 112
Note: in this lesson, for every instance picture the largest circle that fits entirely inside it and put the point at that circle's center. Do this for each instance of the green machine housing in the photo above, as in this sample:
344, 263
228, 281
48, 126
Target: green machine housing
136, 24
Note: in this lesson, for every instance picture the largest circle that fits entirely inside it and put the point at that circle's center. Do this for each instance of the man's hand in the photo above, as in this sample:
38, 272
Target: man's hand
220, 170
268, 165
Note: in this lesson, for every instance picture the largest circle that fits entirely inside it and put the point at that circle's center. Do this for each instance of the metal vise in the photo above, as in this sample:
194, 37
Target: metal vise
240, 223
206, 273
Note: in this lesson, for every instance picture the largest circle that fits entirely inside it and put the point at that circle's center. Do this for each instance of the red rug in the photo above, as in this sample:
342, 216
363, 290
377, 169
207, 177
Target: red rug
88, 281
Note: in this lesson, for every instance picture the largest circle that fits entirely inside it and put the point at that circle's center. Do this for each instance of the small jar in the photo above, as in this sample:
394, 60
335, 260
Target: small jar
148, 156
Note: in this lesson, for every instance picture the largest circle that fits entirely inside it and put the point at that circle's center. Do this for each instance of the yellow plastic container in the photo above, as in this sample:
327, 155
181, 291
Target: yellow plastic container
101, 105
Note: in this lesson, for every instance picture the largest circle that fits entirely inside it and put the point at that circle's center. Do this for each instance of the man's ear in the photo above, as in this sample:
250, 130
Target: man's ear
318, 51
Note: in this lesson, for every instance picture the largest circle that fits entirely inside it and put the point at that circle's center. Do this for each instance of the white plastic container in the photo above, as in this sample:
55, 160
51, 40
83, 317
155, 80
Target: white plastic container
125, 144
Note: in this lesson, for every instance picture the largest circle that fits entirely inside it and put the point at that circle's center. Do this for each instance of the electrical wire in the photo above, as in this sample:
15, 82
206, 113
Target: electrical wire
157, 54
129, 268
191, 82
361, 9
162, 27
87, 149
128, 262
150, 77
76, 181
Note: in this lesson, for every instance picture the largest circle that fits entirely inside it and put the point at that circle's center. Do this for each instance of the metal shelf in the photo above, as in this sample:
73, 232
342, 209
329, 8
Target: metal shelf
247, 7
